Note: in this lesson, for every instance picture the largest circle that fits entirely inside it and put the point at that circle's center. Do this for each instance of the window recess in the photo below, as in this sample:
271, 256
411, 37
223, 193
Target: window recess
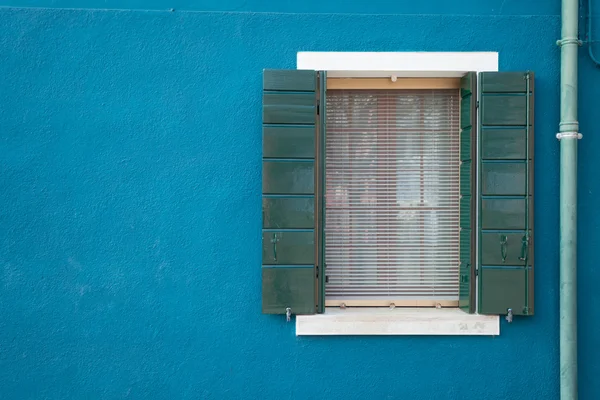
392, 192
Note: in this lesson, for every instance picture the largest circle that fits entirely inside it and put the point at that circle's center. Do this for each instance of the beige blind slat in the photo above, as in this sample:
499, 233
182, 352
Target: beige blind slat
392, 194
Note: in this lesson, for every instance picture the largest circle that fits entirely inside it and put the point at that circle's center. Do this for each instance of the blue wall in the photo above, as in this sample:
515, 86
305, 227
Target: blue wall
130, 148
466, 7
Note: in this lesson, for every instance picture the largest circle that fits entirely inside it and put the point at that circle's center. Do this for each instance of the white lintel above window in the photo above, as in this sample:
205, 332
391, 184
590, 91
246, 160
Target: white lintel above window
400, 64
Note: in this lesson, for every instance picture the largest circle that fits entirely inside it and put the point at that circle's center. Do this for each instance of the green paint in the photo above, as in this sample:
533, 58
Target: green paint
528, 193
288, 248
501, 289
288, 287
288, 213
466, 112
503, 179
288, 177
289, 169
465, 212
505, 282
466, 272
289, 80
289, 141
505, 82
503, 110
491, 248
465, 144
289, 113
468, 115
289, 99
468, 85
503, 214
287, 106
465, 178
503, 144
321, 281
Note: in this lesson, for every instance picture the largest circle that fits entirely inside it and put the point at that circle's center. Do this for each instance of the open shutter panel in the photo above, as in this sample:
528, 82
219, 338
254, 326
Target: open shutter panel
290, 201
320, 160
506, 188
468, 135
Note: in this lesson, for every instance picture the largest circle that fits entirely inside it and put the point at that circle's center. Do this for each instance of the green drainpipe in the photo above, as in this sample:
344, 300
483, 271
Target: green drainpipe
568, 136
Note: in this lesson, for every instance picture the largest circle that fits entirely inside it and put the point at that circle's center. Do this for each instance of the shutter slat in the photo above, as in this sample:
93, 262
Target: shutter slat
392, 199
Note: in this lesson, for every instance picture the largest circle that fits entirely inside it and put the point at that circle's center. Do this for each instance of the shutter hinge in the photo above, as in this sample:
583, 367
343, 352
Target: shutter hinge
476, 271
318, 107
477, 104
317, 272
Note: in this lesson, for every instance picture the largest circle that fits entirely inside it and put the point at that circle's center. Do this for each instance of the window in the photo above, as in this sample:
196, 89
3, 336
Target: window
417, 206
392, 196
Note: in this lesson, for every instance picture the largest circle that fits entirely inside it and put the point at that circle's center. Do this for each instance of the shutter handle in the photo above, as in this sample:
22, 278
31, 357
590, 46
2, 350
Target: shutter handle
464, 278
525, 249
503, 247
274, 241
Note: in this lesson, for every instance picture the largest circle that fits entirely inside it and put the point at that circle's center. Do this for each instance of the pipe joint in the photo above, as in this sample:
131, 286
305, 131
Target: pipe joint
568, 126
569, 135
569, 40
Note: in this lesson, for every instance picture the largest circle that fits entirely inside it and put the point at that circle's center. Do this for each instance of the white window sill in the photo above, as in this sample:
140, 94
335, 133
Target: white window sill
399, 321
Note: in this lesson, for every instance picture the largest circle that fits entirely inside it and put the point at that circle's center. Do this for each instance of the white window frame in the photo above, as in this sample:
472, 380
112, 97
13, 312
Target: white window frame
398, 321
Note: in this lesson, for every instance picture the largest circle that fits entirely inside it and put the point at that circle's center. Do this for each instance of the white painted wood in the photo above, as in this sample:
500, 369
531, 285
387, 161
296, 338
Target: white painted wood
399, 321
400, 64
389, 84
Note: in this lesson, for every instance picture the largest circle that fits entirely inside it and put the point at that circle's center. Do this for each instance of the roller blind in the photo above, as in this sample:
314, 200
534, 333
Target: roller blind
392, 195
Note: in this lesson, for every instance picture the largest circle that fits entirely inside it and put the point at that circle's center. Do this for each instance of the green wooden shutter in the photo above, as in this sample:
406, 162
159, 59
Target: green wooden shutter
291, 250
468, 135
506, 189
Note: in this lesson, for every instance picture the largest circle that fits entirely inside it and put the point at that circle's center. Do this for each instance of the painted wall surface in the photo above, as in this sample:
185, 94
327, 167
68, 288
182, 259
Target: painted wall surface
468, 7
130, 181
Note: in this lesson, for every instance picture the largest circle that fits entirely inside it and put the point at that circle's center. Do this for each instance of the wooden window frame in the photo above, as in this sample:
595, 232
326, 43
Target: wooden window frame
388, 83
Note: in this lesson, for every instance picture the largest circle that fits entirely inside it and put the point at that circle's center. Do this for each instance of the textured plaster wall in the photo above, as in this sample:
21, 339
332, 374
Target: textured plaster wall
469, 7
130, 145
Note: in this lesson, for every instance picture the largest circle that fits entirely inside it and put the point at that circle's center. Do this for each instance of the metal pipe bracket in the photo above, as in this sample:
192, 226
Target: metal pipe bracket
569, 135
564, 41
